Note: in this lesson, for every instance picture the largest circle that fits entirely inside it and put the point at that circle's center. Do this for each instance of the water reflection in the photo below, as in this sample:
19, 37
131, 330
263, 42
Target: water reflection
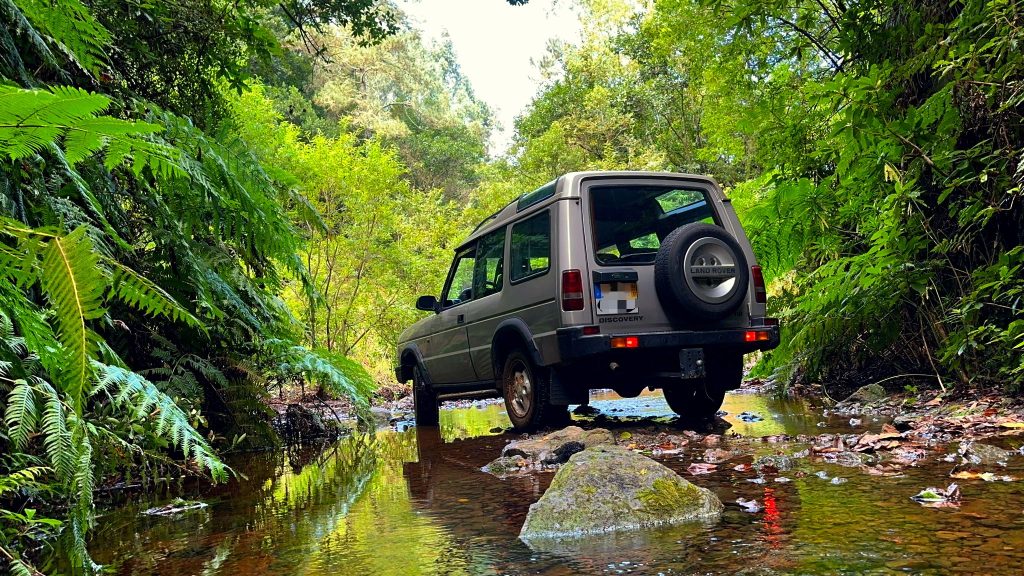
416, 502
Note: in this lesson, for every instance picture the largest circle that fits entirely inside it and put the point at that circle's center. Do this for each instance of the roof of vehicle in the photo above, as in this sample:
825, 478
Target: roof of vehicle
565, 187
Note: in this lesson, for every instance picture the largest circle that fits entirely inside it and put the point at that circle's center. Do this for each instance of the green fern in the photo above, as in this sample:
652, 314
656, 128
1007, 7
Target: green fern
74, 283
335, 373
144, 295
21, 415
56, 435
31, 121
71, 27
132, 391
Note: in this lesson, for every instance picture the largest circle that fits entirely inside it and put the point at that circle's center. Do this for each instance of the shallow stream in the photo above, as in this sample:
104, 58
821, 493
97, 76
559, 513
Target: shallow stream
415, 502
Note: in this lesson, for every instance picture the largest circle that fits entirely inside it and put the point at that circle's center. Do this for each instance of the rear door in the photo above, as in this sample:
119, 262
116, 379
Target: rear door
627, 220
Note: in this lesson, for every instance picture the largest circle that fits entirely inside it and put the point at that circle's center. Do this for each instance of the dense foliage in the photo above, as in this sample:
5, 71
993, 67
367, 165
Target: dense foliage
873, 149
203, 204
145, 251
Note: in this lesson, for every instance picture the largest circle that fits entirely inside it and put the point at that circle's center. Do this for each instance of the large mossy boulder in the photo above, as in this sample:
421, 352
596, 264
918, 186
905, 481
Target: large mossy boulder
610, 489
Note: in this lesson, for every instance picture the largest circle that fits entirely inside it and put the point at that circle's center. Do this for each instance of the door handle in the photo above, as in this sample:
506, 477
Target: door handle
460, 319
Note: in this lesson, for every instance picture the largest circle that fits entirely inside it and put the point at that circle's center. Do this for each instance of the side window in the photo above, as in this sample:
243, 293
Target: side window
531, 247
490, 263
460, 283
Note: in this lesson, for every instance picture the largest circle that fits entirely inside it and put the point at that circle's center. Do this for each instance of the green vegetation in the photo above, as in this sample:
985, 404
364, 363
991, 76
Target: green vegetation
872, 149
203, 204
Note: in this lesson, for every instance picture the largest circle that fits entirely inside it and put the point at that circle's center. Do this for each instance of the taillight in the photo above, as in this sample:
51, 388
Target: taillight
625, 342
760, 294
572, 290
756, 336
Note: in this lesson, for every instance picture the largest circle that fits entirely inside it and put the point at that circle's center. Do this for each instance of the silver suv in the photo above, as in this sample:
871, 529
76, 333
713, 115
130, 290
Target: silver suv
622, 280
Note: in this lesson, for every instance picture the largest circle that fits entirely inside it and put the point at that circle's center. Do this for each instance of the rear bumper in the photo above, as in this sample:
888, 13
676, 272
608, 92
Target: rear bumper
574, 345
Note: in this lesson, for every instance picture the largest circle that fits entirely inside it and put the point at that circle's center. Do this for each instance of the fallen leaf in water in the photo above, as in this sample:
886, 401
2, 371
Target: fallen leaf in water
752, 506
716, 455
1012, 424
986, 476
884, 470
698, 468
742, 467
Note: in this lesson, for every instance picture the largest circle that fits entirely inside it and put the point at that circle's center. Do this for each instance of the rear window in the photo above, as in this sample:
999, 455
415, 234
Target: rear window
631, 221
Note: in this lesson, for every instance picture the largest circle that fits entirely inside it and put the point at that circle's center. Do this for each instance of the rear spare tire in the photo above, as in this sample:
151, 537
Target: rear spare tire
700, 273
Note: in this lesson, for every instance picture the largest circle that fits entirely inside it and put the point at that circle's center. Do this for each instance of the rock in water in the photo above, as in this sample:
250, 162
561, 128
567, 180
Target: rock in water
983, 454
539, 448
866, 395
609, 489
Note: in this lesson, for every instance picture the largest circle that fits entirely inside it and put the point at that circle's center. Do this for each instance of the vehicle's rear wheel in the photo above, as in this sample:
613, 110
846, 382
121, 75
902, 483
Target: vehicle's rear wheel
526, 389
697, 401
702, 399
424, 399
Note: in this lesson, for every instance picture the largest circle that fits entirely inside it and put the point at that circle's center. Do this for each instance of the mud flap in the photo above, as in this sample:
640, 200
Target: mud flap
691, 363
564, 392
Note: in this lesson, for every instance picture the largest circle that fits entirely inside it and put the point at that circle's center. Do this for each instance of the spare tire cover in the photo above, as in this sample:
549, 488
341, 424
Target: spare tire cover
700, 273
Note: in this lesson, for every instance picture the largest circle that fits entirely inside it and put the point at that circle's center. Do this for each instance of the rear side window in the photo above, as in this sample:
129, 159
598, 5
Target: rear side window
631, 221
490, 259
531, 247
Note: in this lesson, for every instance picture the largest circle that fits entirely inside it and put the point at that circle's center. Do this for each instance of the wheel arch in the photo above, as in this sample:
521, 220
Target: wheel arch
511, 334
409, 358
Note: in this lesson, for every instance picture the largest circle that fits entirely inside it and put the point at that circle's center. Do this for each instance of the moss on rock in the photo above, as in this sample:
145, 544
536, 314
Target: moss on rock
610, 489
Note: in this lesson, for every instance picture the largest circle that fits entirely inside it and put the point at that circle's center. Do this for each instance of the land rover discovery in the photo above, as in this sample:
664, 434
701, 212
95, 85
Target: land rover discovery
622, 280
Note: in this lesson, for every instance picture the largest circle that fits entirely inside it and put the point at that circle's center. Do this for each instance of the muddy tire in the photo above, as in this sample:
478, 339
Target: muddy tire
700, 273
694, 402
425, 405
527, 392
557, 416
702, 399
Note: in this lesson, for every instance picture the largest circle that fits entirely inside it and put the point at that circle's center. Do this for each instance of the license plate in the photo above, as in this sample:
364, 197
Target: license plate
615, 297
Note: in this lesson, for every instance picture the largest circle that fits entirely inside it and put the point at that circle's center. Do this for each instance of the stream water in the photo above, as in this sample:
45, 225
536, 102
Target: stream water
415, 502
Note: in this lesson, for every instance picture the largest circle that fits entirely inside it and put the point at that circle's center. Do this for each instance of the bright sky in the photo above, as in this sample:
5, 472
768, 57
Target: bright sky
496, 44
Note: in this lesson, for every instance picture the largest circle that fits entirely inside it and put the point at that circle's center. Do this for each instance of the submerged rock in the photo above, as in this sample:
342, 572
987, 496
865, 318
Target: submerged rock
777, 463
984, 454
610, 489
866, 395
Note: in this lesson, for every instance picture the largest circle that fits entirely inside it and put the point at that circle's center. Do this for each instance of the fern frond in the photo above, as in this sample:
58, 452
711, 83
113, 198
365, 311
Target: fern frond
74, 285
30, 320
56, 435
337, 374
72, 27
20, 568
21, 415
31, 120
143, 294
131, 390
19, 26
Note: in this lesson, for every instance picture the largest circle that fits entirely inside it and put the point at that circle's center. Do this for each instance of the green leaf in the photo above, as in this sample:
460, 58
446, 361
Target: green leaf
74, 284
